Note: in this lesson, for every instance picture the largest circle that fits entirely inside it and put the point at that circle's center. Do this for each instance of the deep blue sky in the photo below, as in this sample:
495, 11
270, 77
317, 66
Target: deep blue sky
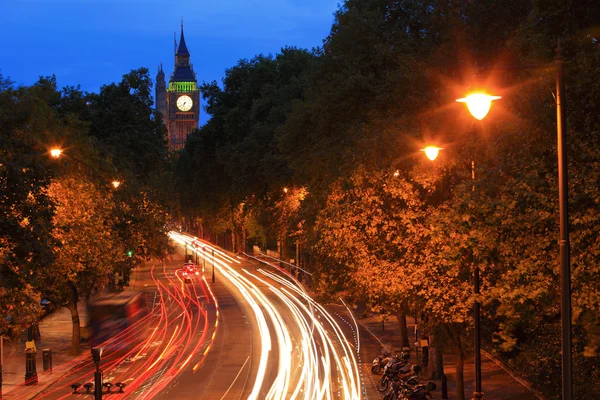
94, 42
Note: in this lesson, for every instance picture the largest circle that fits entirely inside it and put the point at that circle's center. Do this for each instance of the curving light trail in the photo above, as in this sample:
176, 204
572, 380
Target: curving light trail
314, 360
153, 351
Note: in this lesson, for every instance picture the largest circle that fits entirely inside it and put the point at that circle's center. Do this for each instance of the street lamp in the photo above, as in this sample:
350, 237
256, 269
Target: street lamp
213, 265
563, 195
432, 152
97, 356
479, 103
55, 152
116, 184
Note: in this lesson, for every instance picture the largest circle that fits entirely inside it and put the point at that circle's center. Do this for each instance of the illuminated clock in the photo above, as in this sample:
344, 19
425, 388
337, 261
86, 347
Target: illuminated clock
184, 103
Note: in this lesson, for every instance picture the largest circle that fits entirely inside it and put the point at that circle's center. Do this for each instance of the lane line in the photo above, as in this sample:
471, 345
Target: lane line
237, 376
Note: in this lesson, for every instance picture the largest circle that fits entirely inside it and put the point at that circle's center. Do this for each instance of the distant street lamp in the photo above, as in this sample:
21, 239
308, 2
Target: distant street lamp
432, 152
116, 184
213, 265
55, 152
476, 108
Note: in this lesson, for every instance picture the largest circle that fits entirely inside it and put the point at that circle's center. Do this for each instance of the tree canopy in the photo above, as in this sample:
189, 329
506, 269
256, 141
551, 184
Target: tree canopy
382, 224
62, 217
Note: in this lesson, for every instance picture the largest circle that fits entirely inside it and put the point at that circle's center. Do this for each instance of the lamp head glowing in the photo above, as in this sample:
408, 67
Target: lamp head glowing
285, 190
478, 103
56, 152
432, 152
116, 184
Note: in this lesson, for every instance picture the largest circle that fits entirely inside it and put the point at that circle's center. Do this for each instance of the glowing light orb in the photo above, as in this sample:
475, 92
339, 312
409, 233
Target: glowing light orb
432, 152
479, 103
55, 153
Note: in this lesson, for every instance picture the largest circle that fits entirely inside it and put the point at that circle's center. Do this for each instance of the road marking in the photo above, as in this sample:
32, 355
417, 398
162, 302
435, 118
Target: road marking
237, 376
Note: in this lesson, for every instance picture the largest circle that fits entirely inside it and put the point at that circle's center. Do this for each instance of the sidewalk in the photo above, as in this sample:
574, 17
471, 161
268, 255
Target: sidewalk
55, 334
497, 383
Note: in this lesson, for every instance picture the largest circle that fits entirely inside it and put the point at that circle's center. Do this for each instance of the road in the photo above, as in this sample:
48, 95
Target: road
298, 349
252, 334
175, 335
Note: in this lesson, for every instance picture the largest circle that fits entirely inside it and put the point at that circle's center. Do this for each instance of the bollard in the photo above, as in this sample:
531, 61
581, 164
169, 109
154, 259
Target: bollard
47, 360
444, 387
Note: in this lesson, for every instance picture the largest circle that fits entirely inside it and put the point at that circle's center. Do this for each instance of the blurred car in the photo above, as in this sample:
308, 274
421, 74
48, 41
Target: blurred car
111, 313
189, 270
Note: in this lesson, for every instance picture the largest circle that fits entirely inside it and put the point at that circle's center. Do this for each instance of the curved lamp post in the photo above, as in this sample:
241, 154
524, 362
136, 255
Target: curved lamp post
479, 105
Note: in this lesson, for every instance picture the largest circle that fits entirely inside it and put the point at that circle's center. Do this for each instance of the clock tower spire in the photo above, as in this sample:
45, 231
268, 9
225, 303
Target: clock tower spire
182, 98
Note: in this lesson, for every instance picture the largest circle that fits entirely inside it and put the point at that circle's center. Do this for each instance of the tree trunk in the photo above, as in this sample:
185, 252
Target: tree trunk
76, 334
435, 366
286, 254
244, 245
280, 253
233, 241
460, 364
401, 317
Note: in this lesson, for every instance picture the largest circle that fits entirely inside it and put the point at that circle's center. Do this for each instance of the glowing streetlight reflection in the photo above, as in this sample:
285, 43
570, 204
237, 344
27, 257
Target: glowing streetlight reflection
432, 152
479, 103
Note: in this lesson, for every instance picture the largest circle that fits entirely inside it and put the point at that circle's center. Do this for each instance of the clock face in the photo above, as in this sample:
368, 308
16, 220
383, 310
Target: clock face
185, 103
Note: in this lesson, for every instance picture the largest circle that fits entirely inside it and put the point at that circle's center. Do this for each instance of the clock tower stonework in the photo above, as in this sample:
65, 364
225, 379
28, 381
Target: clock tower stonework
181, 110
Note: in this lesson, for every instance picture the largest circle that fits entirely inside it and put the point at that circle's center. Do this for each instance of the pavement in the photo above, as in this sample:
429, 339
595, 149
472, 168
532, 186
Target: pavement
55, 334
497, 383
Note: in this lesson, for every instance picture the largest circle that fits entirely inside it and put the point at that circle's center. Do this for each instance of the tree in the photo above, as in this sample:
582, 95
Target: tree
88, 250
234, 158
384, 83
130, 138
27, 126
128, 129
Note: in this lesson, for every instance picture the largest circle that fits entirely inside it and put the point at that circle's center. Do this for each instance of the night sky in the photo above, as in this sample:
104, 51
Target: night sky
94, 42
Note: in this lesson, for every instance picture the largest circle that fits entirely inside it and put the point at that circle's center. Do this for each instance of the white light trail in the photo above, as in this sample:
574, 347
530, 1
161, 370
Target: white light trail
322, 361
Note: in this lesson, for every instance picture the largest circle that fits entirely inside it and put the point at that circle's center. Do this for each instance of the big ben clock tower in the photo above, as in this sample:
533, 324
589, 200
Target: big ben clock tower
182, 98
